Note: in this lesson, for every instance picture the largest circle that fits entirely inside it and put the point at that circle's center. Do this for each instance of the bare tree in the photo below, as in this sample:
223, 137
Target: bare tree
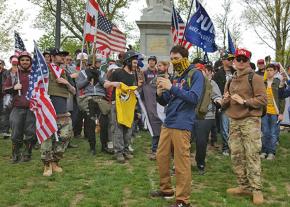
271, 22
222, 20
9, 21
73, 14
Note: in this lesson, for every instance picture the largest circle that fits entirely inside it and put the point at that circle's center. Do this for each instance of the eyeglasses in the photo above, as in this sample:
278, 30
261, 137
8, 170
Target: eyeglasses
242, 58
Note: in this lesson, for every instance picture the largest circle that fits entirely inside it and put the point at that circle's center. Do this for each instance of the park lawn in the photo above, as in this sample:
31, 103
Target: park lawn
99, 181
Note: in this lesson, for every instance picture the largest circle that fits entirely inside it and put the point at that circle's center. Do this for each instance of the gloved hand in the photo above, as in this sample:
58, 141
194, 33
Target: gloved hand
89, 74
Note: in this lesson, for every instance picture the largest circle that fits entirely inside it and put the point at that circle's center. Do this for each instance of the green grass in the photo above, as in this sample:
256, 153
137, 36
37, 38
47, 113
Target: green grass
99, 181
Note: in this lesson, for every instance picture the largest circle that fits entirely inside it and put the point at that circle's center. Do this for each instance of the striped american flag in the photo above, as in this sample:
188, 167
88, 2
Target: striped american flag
109, 36
40, 103
19, 45
177, 30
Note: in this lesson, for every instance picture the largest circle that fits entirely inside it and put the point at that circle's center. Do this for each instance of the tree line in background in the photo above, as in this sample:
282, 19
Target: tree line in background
269, 19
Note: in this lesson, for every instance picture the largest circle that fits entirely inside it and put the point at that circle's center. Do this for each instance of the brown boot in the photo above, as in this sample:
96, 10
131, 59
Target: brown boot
56, 167
47, 169
238, 191
258, 198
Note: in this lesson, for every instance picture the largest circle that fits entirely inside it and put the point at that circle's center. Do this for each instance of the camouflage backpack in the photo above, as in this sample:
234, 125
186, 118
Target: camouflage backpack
205, 99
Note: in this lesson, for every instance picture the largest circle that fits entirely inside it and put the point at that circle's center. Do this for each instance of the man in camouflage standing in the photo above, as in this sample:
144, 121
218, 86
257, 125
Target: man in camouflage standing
243, 102
51, 149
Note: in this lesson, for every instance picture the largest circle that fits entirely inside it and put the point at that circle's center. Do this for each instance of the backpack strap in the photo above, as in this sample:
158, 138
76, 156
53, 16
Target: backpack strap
190, 74
250, 79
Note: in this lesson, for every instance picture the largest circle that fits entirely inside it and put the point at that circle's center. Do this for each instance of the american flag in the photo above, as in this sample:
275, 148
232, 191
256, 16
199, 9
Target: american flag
19, 45
40, 102
109, 36
177, 30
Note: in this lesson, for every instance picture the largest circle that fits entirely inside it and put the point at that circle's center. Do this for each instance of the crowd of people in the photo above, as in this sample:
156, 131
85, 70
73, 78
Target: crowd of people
184, 103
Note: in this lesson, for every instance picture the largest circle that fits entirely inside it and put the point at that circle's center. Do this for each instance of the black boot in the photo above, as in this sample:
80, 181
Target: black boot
93, 148
15, 153
27, 152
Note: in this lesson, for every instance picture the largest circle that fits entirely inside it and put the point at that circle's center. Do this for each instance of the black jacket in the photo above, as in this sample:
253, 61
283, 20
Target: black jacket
220, 78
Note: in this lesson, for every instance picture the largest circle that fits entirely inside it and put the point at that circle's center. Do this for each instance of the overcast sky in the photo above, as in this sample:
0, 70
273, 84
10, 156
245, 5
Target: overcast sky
249, 38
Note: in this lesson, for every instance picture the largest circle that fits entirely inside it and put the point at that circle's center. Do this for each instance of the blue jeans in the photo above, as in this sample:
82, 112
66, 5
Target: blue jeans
155, 140
224, 127
270, 133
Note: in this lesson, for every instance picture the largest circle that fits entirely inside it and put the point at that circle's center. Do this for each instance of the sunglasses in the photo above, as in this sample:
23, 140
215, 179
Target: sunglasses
230, 59
242, 58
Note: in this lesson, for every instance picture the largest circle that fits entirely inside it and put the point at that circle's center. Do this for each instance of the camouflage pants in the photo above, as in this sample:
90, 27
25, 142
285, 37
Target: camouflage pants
52, 150
245, 145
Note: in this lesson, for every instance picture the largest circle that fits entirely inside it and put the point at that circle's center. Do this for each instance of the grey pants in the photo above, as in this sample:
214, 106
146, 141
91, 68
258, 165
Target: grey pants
22, 122
121, 134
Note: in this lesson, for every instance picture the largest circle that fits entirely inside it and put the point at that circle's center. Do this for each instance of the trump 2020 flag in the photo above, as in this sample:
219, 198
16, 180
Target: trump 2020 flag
231, 44
200, 30
40, 103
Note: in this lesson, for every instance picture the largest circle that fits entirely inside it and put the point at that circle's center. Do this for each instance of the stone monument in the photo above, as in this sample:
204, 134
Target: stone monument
155, 29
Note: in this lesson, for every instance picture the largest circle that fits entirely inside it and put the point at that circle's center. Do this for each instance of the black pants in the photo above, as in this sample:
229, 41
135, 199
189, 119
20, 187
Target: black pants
80, 122
201, 134
95, 113
4, 118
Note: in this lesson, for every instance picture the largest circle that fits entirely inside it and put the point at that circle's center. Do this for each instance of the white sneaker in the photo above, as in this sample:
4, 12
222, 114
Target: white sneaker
110, 145
263, 155
271, 156
226, 153
131, 149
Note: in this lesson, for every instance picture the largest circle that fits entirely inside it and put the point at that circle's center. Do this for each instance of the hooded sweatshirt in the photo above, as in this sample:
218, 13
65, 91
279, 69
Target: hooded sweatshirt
255, 96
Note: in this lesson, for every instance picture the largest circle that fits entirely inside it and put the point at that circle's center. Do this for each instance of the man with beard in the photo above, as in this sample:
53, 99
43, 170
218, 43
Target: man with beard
122, 134
52, 149
22, 120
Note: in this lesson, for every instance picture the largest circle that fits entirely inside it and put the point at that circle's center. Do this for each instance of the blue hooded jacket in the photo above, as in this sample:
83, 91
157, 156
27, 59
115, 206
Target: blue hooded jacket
181, 100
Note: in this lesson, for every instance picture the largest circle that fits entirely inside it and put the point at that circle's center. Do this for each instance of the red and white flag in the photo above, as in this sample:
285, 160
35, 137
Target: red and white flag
108, 36
90, 27
56, 70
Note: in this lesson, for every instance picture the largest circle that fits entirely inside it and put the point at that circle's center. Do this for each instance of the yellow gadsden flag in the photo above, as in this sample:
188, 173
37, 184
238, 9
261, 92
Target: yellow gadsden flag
125, 104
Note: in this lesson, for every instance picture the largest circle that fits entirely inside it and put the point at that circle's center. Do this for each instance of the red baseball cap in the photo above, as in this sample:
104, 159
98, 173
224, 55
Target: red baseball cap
243, 52
261, 61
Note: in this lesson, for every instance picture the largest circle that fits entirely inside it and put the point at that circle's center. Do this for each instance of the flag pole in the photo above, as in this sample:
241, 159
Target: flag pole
83, 42
188, 16
95, 42
18, 80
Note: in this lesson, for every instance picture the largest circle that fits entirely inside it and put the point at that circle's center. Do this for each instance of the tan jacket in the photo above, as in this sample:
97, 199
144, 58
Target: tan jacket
255, 98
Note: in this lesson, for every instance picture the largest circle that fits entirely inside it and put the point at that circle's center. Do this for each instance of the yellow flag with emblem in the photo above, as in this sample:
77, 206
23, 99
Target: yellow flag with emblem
125, 104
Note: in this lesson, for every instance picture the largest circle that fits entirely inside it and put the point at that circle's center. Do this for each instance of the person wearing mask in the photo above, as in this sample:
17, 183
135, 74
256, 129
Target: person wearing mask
98, 108
181, 98
221, 77
243, 103
22, 119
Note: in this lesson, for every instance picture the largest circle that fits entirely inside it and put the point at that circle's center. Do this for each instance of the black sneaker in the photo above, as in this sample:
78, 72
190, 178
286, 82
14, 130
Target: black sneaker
201, 170
180, 204
160, 194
